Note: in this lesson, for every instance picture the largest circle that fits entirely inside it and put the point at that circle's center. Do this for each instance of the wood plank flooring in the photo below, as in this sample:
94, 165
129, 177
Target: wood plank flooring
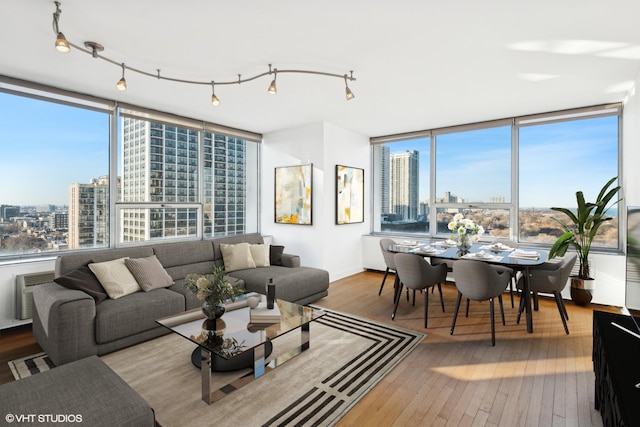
540, 379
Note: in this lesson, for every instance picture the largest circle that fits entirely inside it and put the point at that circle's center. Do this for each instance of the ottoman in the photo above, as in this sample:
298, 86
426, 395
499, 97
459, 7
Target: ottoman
85, 392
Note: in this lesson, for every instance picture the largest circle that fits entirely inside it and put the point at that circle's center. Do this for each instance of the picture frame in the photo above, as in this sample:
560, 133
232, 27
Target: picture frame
293, 194
349, 195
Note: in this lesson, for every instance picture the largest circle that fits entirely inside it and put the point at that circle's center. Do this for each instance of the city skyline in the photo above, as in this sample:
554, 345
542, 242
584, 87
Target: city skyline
471, 164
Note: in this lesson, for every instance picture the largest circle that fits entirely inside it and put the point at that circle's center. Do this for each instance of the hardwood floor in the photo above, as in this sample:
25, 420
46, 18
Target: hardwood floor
15, 343
540, 379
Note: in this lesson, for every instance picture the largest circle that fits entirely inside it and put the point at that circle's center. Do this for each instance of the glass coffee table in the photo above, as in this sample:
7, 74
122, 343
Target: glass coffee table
233, 342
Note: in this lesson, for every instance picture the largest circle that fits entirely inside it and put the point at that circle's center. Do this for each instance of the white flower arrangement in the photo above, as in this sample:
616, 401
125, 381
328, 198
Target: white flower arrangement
462, 226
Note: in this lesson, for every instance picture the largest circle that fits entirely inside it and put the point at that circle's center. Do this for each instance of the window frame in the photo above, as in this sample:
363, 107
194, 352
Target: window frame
115, 111
513, 208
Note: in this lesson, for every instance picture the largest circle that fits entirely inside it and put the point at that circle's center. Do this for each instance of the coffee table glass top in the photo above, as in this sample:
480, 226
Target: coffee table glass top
234, 333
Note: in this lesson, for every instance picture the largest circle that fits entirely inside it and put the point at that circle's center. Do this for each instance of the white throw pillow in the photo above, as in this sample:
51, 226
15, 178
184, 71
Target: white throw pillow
236, 257
115, 277
260, 255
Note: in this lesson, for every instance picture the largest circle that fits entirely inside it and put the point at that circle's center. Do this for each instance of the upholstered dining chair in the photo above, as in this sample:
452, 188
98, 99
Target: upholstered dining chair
514, 273
417, 274
388, 260
479, 281
551, 278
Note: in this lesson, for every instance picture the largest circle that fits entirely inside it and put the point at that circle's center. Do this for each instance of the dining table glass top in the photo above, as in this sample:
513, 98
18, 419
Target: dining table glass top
487, 252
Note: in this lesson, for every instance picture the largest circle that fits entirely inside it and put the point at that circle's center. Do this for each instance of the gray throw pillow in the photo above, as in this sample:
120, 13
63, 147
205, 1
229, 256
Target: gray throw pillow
83, 280
275, 254
149, 273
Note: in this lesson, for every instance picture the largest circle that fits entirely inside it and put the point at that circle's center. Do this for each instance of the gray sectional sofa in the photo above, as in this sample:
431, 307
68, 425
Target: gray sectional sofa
69, 325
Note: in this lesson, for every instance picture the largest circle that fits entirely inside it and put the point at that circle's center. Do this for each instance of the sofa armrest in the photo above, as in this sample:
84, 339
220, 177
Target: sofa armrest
64, 322
289, 260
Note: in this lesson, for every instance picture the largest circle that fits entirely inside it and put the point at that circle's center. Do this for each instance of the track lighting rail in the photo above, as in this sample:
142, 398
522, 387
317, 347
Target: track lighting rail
94, 49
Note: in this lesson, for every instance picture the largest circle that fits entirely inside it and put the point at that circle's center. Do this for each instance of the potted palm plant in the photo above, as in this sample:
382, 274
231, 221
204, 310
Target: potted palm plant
579, 232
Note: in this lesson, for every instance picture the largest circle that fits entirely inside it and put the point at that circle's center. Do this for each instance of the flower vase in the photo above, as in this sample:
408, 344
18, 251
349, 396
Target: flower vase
213, 310
464, 242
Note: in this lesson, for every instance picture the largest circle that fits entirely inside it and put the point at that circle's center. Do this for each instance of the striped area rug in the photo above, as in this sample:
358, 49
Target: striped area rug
348, 356
27, 366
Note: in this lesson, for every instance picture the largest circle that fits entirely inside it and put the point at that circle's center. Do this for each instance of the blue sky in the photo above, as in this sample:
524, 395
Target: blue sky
41, 156
556, 160
47, 146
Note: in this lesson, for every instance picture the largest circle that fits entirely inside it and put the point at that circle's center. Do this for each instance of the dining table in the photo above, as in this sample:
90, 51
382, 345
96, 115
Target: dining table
520, 259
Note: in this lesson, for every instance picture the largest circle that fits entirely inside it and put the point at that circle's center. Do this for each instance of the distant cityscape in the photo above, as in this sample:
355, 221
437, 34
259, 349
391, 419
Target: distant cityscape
160, 165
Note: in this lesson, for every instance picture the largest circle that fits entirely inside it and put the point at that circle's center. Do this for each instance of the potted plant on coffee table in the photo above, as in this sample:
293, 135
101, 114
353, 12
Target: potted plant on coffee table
579, 232
214, 289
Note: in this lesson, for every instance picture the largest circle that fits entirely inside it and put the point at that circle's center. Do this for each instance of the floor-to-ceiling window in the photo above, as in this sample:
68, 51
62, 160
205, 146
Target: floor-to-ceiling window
473, 176
505, 175
402, 177
54, 173
79, 172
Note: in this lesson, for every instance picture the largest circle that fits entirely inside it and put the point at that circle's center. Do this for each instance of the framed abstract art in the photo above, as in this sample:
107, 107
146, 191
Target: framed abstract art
349, 195
293, 191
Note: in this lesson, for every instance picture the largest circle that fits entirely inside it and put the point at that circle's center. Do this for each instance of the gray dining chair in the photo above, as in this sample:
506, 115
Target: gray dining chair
388, 260
416, 273
551, 278
479, 281
514, 273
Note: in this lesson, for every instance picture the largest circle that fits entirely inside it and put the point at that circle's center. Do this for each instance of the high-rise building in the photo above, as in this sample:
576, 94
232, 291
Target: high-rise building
404, 183
8, 211
88, 215
59, 221
381, 154
225, 185
160, 165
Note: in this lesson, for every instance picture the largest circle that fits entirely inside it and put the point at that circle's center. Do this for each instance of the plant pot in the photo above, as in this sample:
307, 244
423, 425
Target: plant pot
581, 290
213, 310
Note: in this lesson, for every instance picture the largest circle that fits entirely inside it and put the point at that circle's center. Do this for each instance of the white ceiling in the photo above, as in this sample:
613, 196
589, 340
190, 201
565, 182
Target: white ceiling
418, 64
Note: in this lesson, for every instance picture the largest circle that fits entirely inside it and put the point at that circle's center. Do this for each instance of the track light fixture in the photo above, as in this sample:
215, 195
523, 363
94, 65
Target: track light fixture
122, 83
62, 45
350, 94
273, 89
214, 98
94, 49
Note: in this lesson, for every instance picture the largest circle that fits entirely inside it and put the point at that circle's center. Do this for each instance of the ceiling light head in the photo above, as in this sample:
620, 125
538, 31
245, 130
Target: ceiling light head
122, 83
348, 92
214, 99
273, 89
62, 45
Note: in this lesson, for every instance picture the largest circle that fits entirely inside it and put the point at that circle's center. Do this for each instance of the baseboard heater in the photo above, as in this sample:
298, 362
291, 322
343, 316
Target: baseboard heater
25, 283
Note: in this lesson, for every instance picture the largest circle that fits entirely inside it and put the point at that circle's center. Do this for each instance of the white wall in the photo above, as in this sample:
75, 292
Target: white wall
335, 248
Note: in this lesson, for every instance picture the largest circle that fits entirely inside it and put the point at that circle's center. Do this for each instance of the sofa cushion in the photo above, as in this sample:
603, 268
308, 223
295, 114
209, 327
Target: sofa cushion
67, 263
135, 313
115, 278
182, 258
149, 273
275, 254
237, 257
84, 280
87, 391
292, 284
260, 255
